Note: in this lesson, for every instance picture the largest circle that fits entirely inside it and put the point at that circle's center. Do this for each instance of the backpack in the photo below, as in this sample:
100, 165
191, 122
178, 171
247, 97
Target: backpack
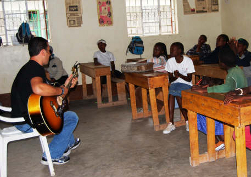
136, 46
24, 34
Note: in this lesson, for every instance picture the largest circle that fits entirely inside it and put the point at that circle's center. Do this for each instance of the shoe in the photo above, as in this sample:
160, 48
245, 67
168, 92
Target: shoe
139, 110
74, 146
219, 146
170, 127
187, 126
61, 161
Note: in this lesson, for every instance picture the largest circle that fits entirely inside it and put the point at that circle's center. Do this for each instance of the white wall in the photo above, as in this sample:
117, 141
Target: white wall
236, 19
79, 44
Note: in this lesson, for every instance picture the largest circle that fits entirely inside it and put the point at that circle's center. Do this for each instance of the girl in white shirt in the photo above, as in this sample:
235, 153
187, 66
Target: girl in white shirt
180, 69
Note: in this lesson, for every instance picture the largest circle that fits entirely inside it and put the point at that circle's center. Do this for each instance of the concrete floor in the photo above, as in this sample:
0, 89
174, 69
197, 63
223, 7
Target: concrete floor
114, 146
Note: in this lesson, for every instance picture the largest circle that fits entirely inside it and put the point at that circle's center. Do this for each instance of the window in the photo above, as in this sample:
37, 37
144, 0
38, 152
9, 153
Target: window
151, 17
14, 12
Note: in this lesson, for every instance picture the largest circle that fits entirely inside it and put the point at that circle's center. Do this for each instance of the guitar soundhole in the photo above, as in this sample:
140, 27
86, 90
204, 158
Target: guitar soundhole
54, 108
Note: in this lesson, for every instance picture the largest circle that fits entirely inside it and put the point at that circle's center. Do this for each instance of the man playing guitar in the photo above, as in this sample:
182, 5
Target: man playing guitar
31, 79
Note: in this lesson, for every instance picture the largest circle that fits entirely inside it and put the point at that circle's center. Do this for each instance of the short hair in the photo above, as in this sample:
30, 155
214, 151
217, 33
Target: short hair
225, 37
204, 36
36, 45
180, 46
243, 42
162, 47
227, 56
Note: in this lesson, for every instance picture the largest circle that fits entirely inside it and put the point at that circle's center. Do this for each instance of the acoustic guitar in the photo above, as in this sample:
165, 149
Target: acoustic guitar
46, 112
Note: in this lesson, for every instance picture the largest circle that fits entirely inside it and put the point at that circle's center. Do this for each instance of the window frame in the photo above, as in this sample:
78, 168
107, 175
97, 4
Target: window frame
22, 15
173, 27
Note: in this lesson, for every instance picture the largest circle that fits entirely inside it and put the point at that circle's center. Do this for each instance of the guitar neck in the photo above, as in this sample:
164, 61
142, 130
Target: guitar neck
74, 73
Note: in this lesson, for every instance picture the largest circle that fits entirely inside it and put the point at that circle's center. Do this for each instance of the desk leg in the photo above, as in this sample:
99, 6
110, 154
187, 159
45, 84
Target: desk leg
84, 86
193, 79
229, 142
241, 158
94, 87
193, 135
109, 87
154, 109
133, 101
98, 91
211, 139
144, 101
165, 95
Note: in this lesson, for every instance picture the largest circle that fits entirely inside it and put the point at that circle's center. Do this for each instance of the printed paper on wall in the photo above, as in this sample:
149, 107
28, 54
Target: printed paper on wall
104, 10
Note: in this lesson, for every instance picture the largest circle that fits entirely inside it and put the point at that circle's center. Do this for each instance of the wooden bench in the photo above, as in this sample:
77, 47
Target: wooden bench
121, 92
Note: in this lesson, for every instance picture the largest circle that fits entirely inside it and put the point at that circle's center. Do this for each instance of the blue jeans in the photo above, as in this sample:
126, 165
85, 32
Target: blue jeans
61, 141
176, 88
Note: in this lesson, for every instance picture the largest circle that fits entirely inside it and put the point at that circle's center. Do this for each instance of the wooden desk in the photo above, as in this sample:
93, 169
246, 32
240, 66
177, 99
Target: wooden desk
235, 115
195, 58
150, 81
95, 72
209, 70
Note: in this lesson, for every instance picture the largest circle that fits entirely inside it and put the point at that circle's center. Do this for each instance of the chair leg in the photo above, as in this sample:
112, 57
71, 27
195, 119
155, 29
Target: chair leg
45, 148
4, 158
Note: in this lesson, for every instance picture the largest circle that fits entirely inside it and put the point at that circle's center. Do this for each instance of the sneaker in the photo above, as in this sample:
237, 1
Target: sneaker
170, 127
74, 146
61, 161
219, 146
187, 126
139, 110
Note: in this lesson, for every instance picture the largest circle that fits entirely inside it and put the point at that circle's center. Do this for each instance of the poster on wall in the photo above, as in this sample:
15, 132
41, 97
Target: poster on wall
73, 13
104, 10
200, 6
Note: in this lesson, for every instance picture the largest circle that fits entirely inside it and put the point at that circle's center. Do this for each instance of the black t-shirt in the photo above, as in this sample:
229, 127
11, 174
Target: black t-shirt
21, 88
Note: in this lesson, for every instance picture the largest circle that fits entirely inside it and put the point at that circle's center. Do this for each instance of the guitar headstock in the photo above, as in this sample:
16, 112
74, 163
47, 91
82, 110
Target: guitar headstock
75, 69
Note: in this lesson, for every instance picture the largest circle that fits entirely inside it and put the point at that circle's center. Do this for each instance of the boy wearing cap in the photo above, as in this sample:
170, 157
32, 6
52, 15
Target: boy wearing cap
103, 57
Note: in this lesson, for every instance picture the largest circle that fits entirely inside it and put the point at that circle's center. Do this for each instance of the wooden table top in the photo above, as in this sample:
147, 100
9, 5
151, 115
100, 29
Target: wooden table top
147, 79
211, 105
94, 70
210, 70
91, 65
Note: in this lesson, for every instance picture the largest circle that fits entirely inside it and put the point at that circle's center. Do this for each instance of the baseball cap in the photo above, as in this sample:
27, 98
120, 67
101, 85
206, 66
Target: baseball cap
243, 41
102, 41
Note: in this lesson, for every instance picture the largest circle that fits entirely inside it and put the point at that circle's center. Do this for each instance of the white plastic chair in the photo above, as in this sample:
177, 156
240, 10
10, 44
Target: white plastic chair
13, 134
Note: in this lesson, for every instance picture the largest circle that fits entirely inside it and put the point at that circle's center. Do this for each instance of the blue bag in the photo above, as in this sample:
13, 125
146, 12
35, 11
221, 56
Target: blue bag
136, 46
24, 33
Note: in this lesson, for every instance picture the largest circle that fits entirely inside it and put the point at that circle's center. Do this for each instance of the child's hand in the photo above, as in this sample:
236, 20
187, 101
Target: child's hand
176, 74
230, 98
199, 89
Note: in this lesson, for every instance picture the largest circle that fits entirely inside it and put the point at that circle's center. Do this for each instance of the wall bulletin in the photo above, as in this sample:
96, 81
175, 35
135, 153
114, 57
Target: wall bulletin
200, 6
105, 14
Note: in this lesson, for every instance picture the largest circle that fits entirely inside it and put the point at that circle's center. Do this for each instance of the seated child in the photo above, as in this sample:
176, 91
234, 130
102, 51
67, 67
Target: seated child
180, 69
159, 60
55, 72
103, 57
234, 79
212, 58
202, 49
243, 56
240, 49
